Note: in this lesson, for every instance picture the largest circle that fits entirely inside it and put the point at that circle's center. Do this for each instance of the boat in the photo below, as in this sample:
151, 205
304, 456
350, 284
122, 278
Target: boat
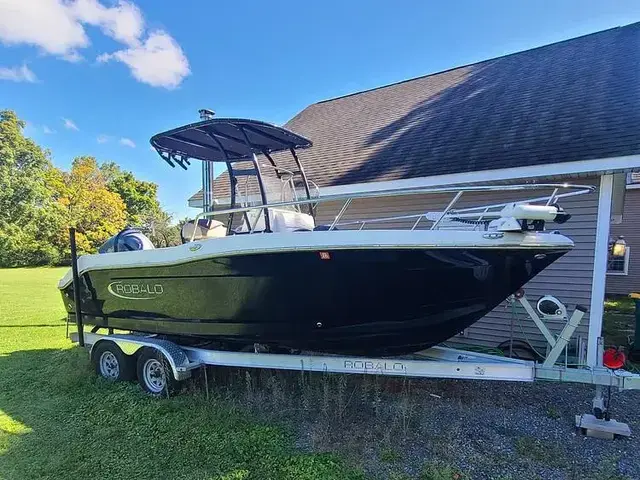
258, 273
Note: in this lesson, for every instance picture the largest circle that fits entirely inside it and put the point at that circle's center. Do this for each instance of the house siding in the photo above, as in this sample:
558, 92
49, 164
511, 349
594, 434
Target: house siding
630, 228
569, 279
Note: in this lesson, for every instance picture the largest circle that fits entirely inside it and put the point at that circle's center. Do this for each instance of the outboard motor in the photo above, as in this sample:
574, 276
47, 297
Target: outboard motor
127, 240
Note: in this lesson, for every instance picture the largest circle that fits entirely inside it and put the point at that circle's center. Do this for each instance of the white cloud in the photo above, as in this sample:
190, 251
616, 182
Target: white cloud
47, 130
69, 124
18, 74
48, 24
122, 22
158, 61
102, 138
127, 142
57, 27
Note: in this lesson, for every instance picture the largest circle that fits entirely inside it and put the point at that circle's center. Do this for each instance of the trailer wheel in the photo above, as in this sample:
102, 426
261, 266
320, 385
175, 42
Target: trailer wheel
110, 363
154, 373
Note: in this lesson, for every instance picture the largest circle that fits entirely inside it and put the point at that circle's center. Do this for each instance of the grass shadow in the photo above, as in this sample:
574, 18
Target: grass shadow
60, 421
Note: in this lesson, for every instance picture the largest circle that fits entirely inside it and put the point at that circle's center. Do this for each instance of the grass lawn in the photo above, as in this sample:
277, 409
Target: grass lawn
620, 305
619, 321
58, 420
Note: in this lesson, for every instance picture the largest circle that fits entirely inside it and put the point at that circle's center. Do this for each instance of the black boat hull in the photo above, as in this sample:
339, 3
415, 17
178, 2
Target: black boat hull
352, 301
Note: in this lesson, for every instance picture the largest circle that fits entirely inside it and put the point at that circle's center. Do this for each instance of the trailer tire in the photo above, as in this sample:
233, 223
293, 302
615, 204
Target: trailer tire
111, 363
155, 375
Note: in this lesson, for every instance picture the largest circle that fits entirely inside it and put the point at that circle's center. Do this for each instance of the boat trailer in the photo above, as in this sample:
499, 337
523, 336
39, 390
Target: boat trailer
436, 362
161, 364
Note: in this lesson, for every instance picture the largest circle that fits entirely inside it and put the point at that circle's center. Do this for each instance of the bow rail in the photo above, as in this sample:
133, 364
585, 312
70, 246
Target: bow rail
479, 213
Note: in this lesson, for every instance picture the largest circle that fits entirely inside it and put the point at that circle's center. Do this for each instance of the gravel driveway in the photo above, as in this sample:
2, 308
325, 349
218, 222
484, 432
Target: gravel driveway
491, 430
444, 429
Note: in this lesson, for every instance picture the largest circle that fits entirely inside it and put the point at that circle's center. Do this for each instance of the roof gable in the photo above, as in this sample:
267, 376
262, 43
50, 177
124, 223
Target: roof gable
574, 100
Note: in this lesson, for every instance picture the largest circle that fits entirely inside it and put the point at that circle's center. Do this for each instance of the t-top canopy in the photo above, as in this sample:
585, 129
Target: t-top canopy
224, 140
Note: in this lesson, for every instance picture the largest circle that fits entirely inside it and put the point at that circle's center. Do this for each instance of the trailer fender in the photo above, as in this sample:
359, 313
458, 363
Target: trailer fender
176, 357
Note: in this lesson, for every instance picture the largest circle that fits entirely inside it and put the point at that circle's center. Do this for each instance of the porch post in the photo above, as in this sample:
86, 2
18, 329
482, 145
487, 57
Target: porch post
596, 310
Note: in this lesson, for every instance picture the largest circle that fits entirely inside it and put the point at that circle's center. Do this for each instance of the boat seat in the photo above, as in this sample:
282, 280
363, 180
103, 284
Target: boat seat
206, 228
280, 220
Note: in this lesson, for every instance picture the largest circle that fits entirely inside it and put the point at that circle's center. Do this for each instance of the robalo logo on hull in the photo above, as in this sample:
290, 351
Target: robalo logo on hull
135, 290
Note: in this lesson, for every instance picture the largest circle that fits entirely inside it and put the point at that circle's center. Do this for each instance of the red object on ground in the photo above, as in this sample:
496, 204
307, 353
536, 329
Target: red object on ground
613, 358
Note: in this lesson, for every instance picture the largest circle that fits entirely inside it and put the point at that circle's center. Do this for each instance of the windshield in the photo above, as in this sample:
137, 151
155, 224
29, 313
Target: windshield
288, 187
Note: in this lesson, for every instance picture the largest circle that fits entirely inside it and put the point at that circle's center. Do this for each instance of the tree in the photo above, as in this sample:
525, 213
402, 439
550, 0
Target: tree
28, 217
139, 196
143, 207
38, 202
95, 211
161, 231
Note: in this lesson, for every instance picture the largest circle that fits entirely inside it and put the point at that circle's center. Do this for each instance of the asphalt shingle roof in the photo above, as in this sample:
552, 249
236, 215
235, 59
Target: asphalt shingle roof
574, 100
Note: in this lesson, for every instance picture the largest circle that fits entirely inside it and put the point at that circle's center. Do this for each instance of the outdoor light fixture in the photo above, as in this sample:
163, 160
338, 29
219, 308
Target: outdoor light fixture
618, 247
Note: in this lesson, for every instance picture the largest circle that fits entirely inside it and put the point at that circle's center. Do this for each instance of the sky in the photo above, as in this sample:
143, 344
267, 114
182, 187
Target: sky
100, 77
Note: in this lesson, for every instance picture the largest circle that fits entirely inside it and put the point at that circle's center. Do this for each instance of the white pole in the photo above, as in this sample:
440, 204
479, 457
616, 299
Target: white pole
207, 190
207, 169
596, 310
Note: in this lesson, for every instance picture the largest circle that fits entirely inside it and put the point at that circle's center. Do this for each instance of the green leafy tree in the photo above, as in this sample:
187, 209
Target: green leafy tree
90, 206
143, 207
162, 231
29, 220
38, 202
140, 197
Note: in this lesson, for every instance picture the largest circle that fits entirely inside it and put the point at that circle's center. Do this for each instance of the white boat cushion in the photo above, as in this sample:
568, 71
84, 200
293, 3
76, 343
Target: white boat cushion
280, 220
204, 230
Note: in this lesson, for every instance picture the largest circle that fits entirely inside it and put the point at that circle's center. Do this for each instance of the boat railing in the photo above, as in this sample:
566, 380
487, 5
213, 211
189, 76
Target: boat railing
478, 214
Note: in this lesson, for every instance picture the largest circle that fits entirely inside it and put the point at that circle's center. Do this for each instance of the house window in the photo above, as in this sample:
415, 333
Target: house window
618, 265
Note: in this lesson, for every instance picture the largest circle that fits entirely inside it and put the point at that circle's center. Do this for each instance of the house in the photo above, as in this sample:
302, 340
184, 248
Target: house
569, 112
623, 273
